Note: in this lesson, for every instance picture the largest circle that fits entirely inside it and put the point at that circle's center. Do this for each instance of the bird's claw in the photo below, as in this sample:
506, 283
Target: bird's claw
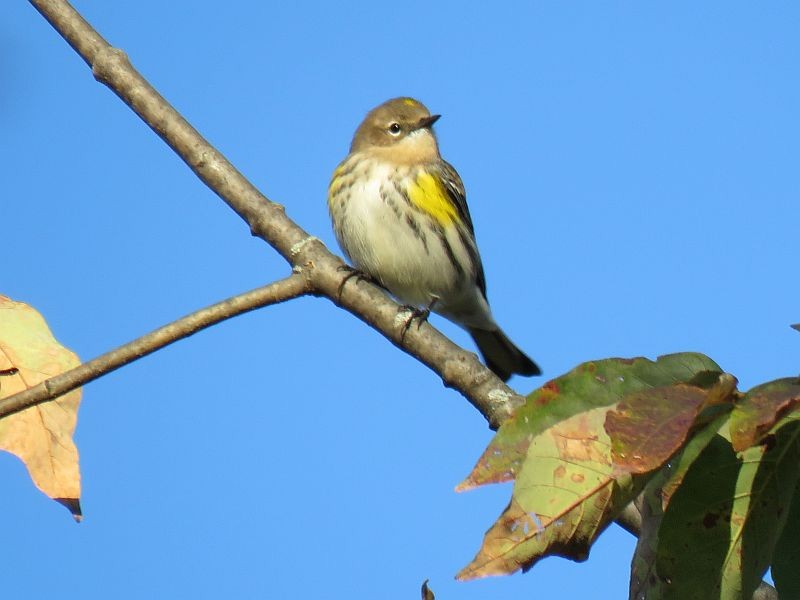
417, 314
351, 272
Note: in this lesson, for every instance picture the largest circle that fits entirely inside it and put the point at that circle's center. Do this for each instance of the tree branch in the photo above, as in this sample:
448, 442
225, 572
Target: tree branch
630, 519
293, 286
458, 368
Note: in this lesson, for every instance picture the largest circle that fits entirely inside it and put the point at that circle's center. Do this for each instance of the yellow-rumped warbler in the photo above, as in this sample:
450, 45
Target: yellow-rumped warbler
400, 214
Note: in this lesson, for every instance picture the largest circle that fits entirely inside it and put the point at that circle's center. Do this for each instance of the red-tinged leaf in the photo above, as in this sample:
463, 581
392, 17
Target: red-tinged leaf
760, 409
679, 464
40, 436
588, 386
648, 427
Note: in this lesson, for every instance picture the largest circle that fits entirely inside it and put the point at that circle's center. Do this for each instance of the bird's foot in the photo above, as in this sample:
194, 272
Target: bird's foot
420, 315
351, 272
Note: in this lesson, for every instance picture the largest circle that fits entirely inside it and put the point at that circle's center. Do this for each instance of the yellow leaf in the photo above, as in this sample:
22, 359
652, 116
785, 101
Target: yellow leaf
40, 436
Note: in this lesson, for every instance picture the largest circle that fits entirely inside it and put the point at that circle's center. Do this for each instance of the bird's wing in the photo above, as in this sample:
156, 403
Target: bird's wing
455, 190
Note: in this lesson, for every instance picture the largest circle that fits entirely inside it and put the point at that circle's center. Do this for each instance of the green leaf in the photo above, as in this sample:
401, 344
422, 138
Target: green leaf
764, 491
590, 385
695, 531
717, 534
786, 561
645, 582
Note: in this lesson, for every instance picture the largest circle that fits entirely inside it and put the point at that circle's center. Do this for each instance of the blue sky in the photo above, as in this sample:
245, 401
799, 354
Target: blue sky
632, 174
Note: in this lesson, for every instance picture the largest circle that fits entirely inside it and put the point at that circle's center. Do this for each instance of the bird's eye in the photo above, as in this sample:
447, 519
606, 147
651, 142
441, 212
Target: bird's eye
395, 128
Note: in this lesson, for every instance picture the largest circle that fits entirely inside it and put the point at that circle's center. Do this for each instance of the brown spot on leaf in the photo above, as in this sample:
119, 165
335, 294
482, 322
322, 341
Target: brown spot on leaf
551, 386
547, 393
710, 520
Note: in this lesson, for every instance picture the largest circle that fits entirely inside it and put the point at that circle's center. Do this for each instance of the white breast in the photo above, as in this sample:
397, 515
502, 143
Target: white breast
378, 239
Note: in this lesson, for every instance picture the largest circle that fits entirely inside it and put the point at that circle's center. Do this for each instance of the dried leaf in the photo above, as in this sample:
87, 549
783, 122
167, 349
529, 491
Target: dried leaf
40, 436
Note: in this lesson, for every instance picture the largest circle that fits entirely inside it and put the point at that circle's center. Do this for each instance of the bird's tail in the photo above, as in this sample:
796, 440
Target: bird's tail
501, 355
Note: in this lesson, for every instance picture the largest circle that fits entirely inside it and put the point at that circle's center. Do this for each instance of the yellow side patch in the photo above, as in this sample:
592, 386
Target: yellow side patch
333, 189
430, 197
337, 181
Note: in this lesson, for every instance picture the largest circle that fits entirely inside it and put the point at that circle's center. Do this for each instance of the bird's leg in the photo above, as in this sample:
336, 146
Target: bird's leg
420, 314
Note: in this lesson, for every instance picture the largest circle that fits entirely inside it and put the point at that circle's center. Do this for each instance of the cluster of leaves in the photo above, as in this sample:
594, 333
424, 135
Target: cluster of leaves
715, 470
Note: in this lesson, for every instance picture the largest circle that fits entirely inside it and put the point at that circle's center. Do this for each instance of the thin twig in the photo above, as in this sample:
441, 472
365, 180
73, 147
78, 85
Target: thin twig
630, 519
285, 289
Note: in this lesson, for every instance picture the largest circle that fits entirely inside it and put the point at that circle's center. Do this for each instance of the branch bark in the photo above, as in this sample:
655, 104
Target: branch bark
630, 519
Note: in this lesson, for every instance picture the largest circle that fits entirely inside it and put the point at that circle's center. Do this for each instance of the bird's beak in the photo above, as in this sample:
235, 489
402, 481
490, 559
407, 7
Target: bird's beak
427, 121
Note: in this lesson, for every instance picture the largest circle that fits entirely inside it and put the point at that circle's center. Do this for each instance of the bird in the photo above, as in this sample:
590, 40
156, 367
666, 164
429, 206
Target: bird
399, 212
